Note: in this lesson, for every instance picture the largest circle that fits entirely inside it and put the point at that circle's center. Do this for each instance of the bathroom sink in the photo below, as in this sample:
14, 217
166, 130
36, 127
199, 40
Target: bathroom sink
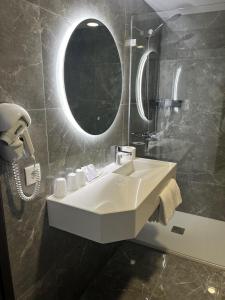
140, 168
117, 205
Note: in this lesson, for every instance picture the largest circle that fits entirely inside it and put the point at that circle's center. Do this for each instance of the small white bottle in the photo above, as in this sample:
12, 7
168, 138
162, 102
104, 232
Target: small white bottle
71, 180
60, 187
80, 176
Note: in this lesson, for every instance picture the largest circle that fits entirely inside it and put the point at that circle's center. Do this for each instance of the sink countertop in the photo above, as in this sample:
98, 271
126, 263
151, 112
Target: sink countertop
114, 192
116, 205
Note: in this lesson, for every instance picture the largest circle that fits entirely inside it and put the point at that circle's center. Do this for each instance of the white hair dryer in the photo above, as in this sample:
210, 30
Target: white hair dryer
15, 141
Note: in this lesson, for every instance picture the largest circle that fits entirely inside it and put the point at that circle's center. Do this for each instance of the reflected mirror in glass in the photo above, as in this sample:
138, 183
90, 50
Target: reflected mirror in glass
150, 84
93, 76
147, 84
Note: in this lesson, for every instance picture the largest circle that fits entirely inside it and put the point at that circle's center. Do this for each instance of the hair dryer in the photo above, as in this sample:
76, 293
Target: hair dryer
15, 141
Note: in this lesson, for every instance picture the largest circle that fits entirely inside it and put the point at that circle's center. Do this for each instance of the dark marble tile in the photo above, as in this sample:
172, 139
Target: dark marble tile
166, 78
98, 151
137, 7
48, 263
183, 279
192, 44
203, 199
138, 272
130, 274
137, 125
63, 144
168, 149
199, 21
99, 9
23, 220
201, 83
223, 288
200, 158
21, 60
36, 2
53, 29
57, 283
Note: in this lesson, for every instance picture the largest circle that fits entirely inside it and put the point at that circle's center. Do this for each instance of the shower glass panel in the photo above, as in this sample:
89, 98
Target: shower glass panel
183, 95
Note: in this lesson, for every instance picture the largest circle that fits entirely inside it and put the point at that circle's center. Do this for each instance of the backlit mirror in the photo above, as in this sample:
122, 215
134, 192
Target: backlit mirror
93, 76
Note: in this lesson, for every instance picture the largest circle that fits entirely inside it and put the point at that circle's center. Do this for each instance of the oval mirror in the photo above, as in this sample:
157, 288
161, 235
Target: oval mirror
146, 84
93, 76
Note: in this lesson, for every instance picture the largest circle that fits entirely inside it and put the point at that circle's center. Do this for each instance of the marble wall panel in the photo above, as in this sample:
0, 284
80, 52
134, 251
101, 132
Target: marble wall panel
48, 263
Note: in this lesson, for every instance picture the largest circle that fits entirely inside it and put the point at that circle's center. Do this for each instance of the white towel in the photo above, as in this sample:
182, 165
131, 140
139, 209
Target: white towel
170, 199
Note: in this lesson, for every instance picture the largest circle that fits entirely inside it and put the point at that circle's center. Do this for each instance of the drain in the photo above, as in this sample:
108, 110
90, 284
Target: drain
178, 230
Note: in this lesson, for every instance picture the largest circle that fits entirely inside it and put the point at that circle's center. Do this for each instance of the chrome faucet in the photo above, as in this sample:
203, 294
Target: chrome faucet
119, 152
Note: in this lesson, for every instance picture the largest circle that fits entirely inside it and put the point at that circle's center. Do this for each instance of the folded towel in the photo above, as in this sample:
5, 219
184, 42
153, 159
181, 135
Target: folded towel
170, 199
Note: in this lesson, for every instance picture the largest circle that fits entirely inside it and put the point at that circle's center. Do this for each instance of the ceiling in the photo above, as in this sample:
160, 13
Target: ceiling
188, 6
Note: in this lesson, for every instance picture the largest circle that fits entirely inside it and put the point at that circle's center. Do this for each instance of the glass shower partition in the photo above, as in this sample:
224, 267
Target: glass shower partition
183, 97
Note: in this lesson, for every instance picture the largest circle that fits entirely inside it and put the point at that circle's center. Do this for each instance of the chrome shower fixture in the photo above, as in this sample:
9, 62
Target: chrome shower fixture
152, 32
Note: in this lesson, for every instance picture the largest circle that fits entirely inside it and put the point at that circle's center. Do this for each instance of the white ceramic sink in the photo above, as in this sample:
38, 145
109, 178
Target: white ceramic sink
117, 205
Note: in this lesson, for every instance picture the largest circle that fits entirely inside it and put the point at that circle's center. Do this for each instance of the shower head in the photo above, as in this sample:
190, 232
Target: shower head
152, 32
174, 18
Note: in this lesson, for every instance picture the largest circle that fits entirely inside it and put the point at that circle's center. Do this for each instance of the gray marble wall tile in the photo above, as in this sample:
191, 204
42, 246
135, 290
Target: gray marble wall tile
130, 274
206, 200
76, 8
137, 125
63, 143
48, 263
199, 21
193, 43
24, 220
203, 43
134, 7
21, 60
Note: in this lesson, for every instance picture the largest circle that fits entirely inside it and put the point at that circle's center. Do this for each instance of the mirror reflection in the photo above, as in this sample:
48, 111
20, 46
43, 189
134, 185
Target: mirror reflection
93, 76
147, 84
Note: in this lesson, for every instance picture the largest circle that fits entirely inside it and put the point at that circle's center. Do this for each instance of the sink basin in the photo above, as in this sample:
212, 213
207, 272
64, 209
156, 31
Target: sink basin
140, 168
117, 205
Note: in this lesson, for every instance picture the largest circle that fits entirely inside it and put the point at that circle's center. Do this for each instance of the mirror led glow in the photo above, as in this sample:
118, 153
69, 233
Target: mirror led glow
92, 24
211, 290
60, 78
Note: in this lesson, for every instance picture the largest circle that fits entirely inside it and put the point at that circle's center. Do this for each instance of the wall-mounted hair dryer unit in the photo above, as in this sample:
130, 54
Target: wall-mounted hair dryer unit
15, 142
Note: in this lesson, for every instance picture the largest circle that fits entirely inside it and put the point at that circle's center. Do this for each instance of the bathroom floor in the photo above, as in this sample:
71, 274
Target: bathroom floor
136, 272
194, 236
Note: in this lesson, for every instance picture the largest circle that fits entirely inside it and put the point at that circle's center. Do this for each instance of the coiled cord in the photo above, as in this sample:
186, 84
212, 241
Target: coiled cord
16, 173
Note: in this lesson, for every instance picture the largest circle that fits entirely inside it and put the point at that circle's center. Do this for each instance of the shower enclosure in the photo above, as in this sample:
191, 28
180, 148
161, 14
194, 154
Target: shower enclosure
177, 101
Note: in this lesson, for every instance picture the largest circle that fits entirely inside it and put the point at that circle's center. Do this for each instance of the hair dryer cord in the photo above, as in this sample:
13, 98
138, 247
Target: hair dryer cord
16, 174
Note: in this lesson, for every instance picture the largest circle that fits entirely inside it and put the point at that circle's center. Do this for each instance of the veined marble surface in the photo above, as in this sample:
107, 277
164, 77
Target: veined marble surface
136, 272
47, 263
